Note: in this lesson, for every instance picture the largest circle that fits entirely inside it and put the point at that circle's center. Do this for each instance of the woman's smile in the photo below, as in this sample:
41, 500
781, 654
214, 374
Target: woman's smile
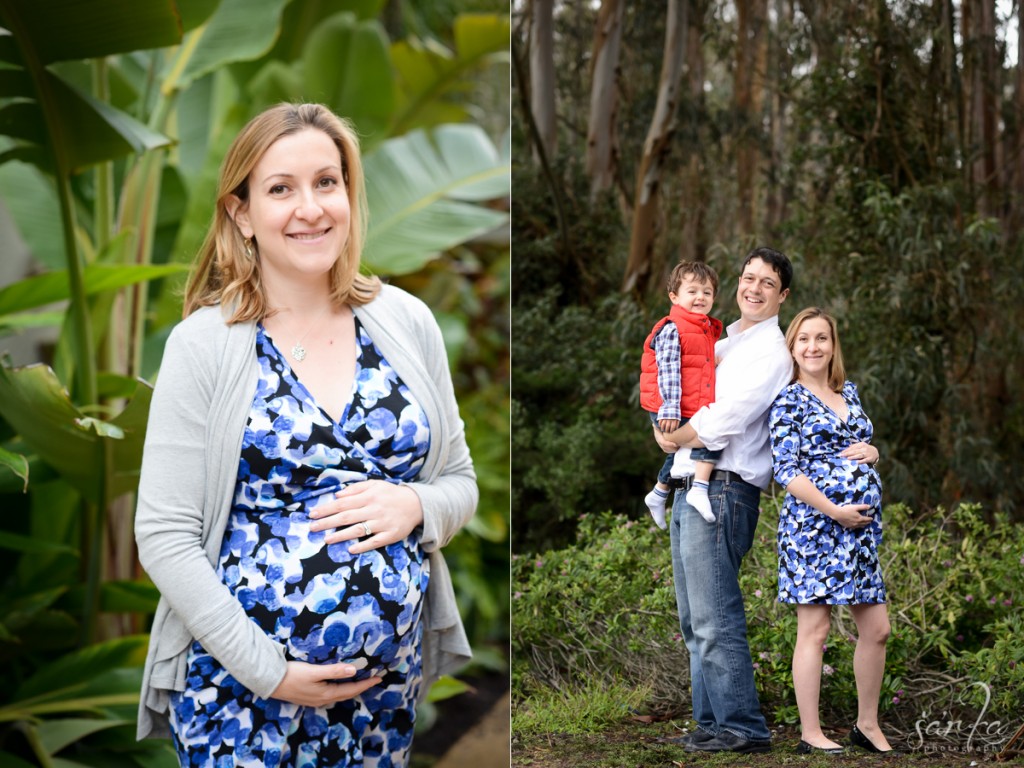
298, 208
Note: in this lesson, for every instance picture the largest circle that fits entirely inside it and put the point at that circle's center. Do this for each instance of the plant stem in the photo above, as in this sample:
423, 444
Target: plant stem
103, 211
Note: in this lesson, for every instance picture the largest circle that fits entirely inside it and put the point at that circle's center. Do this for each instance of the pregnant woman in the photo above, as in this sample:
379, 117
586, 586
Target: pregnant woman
830, 525
304, 463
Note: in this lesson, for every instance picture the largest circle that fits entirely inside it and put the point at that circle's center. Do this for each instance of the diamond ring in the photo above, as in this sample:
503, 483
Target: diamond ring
366, 529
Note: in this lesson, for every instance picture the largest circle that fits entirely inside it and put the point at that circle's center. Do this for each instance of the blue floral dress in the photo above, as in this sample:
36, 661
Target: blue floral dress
321, 602
820, 561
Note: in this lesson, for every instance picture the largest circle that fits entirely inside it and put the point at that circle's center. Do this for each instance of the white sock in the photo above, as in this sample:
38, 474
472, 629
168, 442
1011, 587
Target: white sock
655, 501
697, 497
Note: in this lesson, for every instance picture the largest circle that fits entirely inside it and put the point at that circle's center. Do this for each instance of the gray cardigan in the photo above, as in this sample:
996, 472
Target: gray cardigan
200, 407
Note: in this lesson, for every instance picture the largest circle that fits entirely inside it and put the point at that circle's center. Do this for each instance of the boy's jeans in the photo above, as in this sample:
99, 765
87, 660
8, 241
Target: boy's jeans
705, 567
696, 454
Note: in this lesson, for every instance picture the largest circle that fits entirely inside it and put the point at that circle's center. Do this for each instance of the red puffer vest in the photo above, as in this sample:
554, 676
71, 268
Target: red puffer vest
697, 337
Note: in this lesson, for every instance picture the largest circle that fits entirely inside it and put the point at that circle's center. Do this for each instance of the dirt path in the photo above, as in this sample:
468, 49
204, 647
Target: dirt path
633, 745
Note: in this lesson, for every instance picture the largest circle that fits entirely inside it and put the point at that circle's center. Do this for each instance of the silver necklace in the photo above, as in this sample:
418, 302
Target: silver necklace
299, 351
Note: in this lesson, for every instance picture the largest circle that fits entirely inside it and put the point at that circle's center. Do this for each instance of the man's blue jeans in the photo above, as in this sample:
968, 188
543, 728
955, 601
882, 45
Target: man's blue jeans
706, 561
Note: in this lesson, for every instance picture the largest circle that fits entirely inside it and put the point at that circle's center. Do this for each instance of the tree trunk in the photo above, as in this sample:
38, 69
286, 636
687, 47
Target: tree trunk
694, 219
779, 187
959, 95
646, 209
978, 32
971, 110
602, 139
542, 74
1017, 190
748, 91
945, 133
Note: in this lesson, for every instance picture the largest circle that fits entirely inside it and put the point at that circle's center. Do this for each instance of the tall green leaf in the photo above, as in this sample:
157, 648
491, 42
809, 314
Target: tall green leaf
229, 35
92, 131
17, 463
432, 79
347, 66
55, 735
75, 669
415, 187
28, 544
32, 202
60, 30
36, 404
302, 18
47, 288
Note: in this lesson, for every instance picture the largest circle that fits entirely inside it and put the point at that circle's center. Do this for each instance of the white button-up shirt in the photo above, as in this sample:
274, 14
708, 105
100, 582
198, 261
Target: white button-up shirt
754, 367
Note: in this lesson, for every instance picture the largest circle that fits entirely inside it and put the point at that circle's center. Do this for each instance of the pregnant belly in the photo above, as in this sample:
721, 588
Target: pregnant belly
847, 482
323, 603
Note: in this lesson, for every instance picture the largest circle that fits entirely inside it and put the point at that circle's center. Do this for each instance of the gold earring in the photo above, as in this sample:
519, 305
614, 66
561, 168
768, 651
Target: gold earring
248, 247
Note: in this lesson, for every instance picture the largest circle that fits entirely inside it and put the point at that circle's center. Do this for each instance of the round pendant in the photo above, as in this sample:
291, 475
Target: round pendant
299, 352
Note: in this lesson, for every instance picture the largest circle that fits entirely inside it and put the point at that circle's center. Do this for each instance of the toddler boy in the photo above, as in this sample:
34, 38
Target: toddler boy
677, 376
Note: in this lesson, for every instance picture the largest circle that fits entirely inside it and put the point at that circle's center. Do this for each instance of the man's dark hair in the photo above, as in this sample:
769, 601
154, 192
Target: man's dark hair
777, 260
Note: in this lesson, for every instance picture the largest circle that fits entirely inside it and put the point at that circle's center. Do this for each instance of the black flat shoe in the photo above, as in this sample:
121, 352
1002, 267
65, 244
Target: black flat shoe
726, 741
803, 748
858, 739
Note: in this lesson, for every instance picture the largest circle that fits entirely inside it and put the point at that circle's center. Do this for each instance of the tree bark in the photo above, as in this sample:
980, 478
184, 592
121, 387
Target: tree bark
542, 74
959, 95
748, 90
779, 187
646, 209
602, 138
989, 86
978, 32
1017, 195
694, 215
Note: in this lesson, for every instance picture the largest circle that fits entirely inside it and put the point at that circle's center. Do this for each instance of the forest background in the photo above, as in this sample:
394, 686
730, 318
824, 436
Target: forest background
114, 118
878, 144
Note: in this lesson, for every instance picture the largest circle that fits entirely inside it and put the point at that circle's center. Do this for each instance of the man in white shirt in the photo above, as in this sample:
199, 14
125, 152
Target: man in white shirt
754, 365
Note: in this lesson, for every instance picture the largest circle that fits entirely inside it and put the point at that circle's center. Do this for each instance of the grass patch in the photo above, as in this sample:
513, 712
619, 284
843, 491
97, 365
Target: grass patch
574, 711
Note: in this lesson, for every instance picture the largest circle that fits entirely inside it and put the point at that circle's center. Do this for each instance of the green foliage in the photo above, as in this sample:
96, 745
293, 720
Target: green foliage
96, 691
580, 439
937, 382
954, 584
616, 615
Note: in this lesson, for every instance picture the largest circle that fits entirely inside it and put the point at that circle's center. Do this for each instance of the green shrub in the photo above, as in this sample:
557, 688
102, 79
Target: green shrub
579, 438
605, 609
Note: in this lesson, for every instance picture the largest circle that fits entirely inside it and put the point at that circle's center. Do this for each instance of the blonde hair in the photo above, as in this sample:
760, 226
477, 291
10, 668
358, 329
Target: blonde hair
224, 273
836, 369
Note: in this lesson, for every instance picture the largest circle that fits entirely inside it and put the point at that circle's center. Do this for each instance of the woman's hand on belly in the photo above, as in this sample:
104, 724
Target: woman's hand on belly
391, 512
862, 453
309, 685
852, 515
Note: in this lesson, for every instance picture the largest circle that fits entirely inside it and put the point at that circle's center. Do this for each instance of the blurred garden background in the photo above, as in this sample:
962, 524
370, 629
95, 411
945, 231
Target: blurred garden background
878, 144
114, 117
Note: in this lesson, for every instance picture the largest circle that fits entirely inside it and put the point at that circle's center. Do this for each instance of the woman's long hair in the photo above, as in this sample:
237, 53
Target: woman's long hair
836, 369
227, 269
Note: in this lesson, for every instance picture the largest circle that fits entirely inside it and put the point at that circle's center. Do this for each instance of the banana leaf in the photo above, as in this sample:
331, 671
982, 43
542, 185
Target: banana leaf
60, 30
432, 80
36, 404
420, 190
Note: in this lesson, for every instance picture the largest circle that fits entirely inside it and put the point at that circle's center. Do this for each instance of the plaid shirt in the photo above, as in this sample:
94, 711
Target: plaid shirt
668, 355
